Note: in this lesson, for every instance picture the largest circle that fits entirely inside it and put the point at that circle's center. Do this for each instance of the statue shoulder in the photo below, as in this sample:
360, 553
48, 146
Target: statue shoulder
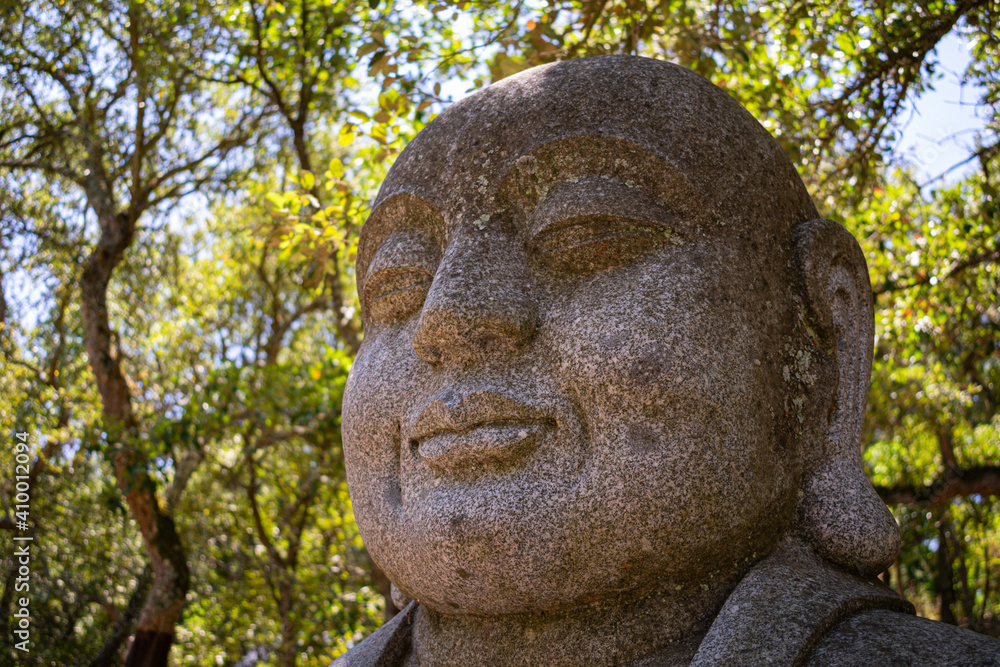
389, 646
793, 608
785, 605
885, 637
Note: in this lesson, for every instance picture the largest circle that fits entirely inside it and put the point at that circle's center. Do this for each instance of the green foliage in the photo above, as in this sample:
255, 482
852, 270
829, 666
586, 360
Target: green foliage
235, 320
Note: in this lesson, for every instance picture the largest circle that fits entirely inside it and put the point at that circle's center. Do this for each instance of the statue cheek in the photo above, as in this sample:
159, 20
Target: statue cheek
380, 389
654, 385
641, 366
384, 373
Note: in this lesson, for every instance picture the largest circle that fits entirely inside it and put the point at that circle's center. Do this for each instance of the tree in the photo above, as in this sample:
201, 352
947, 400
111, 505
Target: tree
184, 183
105, 113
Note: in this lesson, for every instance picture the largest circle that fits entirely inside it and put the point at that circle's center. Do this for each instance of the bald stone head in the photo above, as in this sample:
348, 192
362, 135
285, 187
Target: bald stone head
609, 348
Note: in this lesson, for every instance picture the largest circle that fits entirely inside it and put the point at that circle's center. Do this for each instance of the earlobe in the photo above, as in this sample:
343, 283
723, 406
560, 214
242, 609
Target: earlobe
839, 513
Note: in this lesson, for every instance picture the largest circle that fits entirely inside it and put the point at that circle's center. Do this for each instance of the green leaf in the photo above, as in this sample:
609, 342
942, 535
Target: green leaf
370, 47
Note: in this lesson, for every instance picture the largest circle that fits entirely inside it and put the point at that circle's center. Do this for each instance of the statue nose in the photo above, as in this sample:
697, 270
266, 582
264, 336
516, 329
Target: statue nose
478, 305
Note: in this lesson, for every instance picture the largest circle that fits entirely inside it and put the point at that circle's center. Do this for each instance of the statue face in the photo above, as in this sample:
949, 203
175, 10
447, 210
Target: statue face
570, 381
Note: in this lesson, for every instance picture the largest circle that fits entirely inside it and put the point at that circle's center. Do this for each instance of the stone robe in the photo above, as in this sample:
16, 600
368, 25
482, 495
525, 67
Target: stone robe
792, 608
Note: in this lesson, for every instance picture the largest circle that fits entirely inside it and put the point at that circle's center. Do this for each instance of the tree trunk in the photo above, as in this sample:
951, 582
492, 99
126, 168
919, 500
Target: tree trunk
171, 578
287, 653
968, 606
109, 655
945, 576
986, 584
149, 649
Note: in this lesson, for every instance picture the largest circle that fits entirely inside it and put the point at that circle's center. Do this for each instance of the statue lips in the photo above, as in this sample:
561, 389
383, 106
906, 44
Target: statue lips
481, 427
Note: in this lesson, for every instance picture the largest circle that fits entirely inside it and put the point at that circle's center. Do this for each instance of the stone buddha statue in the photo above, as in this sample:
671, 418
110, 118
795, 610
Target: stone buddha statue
609, 402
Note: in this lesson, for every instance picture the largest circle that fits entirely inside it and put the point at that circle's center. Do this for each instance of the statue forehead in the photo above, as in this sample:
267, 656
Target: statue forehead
646, 111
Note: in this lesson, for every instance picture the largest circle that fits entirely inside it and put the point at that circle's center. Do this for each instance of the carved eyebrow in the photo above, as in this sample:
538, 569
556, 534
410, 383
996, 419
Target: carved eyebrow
400, 212
529, 179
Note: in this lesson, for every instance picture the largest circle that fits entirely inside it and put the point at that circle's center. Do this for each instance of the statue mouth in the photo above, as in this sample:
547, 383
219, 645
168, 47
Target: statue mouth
501, 442
479, 428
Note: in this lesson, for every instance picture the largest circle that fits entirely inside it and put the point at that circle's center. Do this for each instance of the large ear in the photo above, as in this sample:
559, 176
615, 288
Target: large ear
839, 513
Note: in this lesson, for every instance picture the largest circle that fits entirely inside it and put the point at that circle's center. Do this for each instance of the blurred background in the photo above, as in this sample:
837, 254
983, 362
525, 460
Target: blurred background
181, 187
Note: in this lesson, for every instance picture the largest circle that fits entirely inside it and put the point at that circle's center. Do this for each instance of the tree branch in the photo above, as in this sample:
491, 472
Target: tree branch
40, 166
975, 259
979, 480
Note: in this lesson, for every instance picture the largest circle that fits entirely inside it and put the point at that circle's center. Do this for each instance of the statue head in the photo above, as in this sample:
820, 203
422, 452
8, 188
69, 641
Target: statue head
609, 346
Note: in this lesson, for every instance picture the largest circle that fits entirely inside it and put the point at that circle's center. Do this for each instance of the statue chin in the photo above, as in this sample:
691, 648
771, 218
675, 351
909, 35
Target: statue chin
608, 405
501, 580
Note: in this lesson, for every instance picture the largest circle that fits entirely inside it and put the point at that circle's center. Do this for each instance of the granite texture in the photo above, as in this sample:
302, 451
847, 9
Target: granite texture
612, 359
785, 605
388, 646
881, 637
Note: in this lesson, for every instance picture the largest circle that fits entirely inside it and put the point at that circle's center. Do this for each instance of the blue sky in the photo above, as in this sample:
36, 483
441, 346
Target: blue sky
941, 125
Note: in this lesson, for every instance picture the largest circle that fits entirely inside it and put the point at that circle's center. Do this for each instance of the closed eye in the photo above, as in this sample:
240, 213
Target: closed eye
396, 292
387, 295
595, 242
